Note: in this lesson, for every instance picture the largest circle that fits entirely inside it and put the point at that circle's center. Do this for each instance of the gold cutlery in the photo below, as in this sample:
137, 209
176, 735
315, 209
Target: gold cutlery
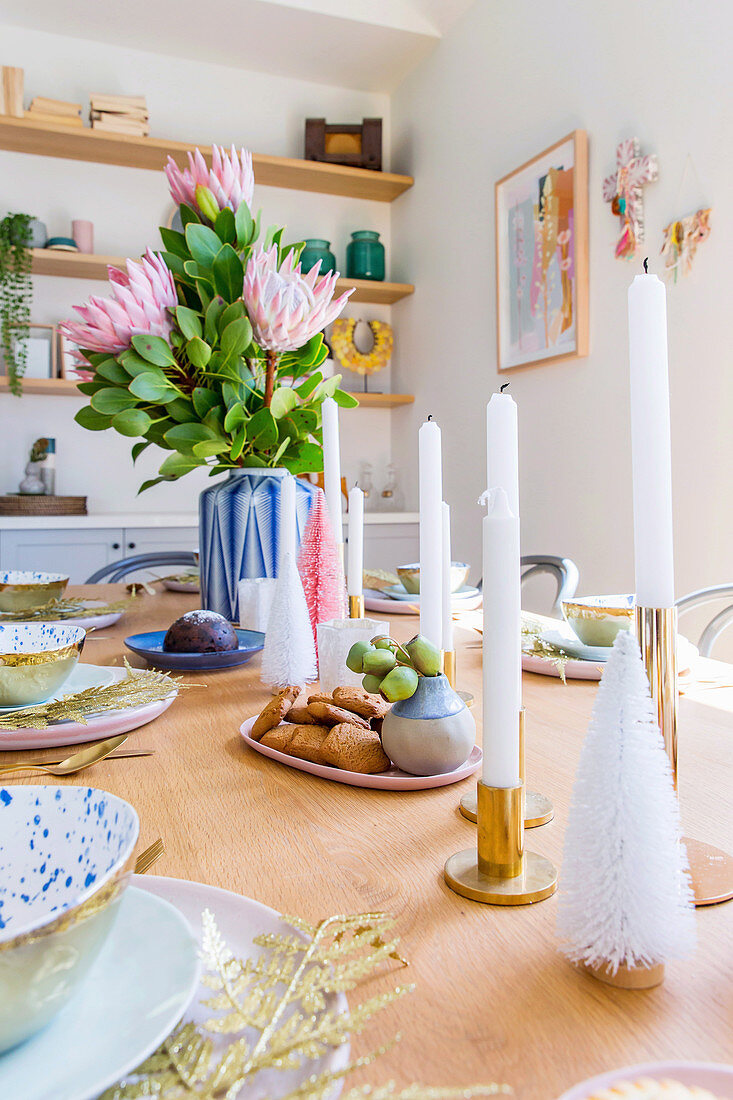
150, 856
92, 754
117, 754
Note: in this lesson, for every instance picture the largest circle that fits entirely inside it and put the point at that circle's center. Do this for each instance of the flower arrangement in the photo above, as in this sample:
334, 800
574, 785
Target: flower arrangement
210, 349
391, 669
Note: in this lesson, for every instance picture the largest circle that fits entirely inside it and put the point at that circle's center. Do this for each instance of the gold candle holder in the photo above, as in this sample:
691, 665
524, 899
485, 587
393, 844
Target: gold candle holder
537, 808
356, 607
711, 869
449, 666
498, 871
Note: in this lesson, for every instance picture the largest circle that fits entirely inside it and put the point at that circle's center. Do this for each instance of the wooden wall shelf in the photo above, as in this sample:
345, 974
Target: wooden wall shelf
80, 265
41, 139
66, 387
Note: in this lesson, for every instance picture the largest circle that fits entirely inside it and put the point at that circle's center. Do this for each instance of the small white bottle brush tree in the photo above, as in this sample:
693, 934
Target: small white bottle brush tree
625, 897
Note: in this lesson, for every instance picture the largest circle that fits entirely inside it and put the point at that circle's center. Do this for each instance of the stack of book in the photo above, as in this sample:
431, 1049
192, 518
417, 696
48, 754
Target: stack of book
119, 114
56, 111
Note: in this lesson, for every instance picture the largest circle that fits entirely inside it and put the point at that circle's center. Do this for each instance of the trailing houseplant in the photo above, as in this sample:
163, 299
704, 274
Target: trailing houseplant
211, 349
16, 292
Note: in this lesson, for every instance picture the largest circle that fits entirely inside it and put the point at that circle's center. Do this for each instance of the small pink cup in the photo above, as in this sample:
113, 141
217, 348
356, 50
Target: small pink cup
83, 234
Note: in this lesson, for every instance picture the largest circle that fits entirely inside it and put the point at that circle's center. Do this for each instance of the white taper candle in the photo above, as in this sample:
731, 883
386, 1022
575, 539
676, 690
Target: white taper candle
502, 450
287, 518
431, 532
356, 543
651, 449
332, 465
448, 643
502, 659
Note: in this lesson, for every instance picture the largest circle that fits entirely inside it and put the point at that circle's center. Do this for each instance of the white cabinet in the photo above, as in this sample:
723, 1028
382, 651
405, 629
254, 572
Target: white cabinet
76, 552
147, 540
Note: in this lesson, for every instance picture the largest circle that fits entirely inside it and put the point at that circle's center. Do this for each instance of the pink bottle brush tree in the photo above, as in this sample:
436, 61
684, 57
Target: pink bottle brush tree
321, 572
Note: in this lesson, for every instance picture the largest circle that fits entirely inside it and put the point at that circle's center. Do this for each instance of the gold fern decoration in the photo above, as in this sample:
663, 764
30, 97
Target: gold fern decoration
61, 609
274, 1012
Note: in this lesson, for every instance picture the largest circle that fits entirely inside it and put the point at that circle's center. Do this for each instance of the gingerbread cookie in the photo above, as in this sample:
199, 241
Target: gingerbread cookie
330, 715
274, 712
280, 737
360, 702
354, 749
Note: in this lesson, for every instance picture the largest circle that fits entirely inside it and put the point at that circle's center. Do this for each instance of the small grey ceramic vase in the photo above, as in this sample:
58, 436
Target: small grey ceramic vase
431, 733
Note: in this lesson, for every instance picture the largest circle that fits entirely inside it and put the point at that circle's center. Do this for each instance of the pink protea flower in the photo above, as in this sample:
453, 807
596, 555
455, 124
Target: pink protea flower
141, 300
287, 308
230, 178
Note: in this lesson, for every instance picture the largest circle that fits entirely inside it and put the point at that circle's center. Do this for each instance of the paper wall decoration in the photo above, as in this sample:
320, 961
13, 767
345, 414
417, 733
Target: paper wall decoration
681, 238
624, 191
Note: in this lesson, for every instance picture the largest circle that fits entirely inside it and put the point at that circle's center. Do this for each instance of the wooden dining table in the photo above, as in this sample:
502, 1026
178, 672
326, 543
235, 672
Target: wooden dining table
494, 998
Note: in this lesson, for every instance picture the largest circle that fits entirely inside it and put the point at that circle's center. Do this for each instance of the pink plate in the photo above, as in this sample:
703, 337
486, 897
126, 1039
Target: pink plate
391, 780
387, 606
717, 1079
76, 733
574, 670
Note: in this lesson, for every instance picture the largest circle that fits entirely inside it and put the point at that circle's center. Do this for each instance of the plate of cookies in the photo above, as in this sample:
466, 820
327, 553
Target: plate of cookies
659, 1081
337, 737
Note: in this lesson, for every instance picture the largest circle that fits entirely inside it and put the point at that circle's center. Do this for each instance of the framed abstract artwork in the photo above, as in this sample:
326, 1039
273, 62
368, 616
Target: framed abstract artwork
542, 257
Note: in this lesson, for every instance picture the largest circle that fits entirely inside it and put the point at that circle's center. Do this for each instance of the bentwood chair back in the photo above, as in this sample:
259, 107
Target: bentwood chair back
719, 622
118, 570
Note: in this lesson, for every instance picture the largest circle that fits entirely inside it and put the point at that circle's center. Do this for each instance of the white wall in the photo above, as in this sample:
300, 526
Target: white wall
189, 101
511, 78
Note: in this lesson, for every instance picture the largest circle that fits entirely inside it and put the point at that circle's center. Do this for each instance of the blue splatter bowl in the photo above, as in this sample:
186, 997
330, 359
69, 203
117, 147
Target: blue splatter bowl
21, 589
62, 855
35, 660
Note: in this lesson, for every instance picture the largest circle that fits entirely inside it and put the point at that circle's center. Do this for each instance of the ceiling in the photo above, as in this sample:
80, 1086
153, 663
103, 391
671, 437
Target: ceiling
365, 44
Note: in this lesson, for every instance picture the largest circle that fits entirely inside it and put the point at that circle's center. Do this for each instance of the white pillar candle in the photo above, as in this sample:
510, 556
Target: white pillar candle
287, 518
356, 543
502, 450
448, 644
651, 449
332, 465
502, 658
431, 532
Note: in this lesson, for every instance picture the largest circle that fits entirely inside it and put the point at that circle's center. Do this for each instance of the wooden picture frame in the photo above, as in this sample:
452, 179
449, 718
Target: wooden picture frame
541, 224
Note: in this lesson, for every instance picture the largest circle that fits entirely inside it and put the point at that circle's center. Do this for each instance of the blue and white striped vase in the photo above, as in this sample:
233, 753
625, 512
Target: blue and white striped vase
239, 533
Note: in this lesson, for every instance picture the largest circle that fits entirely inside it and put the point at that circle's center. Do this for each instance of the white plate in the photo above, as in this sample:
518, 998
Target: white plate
393, 779
717, 1079
83, 677
182, 586
385, 605
133, 997
398, 592
239, 920
574, 647
77, 733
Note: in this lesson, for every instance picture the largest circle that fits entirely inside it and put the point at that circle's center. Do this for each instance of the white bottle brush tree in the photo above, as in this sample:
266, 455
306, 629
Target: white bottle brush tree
625, 895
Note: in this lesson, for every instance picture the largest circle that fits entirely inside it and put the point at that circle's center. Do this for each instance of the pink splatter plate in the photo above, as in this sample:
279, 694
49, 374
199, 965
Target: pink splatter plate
391, 780
717, 1079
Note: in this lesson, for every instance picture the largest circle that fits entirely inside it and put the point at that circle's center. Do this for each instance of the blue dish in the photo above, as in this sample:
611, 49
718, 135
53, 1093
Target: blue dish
150, 646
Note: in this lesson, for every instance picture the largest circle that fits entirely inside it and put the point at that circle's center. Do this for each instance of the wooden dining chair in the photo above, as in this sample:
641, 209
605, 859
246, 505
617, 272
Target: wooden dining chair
719, 622
118, 570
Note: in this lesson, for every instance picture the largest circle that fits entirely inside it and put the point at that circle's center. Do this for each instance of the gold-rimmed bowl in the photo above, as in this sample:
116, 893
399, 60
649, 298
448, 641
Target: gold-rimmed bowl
22, 590
410, 576
598, 619
35, 660
62, 874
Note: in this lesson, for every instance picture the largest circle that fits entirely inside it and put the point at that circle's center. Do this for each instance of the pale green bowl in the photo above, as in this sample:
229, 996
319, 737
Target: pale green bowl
598, 619
22, 590
410, 576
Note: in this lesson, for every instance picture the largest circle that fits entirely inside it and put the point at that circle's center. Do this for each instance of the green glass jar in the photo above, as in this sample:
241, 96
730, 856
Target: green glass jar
314, 251
365, 256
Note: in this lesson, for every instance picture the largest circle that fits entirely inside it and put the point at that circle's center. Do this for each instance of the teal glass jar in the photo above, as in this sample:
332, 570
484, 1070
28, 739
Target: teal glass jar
315, 250
365, 256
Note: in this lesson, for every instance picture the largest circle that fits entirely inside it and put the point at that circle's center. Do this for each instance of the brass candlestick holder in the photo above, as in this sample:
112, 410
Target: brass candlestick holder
449, 666
711, 869
498, 871
356, 607
537, 808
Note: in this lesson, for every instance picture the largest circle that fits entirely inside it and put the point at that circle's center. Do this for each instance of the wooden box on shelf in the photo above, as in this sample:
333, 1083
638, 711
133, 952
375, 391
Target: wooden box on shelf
356, 146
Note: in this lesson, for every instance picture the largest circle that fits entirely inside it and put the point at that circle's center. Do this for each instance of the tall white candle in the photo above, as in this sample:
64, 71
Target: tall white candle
431, 532
356, 542
501, 643
447, 594
287, 518
502, 451
332, 465
651, 442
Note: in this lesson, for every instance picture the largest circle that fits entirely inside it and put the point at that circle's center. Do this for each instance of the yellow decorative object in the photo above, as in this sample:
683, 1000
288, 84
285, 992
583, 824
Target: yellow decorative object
59, 610
347, 353
274, 1013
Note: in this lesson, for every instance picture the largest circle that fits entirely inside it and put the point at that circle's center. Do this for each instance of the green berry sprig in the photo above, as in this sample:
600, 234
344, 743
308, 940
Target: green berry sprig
392, 670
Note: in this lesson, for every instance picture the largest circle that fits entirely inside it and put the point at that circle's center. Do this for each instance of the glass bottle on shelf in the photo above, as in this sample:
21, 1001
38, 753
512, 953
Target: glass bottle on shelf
391, 499
366, 484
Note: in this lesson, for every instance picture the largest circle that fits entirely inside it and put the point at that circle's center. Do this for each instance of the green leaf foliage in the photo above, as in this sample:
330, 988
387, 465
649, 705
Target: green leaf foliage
228, 273
154, 349
131, 422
